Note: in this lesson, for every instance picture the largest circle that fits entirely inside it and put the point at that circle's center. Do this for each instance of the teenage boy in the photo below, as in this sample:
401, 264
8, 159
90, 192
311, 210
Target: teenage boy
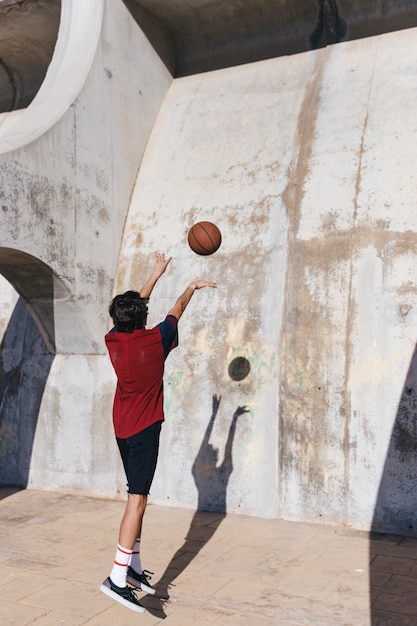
138, 355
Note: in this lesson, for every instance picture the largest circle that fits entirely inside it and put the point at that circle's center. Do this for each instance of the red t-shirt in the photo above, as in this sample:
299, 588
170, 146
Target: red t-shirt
138, 359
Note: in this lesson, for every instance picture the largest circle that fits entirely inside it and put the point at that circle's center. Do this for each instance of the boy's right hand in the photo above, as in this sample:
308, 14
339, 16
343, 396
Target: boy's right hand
199, 284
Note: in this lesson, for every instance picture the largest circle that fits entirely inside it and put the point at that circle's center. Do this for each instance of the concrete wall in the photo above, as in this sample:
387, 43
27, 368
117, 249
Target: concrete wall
306, 163
65, 196
306, 166
64, 199
214, 154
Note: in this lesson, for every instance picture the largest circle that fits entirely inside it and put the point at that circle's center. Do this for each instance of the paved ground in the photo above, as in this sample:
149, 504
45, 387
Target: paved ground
234, 570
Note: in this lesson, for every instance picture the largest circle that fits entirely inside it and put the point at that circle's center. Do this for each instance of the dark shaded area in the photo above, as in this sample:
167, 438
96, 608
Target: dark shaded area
396, 504
330, 28
211, 481
393, 540
6, 492
157, 32
393, 580
25, 363
28, 34
198, 36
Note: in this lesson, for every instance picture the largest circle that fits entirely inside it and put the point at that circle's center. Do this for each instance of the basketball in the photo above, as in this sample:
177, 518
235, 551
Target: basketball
204, 238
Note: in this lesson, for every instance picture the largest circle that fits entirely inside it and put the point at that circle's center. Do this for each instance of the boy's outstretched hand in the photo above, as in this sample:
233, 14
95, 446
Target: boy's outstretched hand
199, 284
161, 263
182, 302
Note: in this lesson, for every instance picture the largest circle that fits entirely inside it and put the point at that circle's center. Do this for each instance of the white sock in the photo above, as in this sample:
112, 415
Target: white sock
135, 560
121, 562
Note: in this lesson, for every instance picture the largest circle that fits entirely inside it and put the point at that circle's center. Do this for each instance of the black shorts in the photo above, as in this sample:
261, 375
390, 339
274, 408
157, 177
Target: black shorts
139, 455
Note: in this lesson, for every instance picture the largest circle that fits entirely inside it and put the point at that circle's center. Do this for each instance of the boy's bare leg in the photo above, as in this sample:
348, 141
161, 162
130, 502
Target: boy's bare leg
130, 529
131, 524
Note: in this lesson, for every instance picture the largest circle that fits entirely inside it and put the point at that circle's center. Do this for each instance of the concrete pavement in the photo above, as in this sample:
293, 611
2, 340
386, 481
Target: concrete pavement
234, 570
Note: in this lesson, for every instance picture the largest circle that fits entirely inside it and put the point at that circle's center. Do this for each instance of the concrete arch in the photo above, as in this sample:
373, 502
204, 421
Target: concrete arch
78, 37
49, 301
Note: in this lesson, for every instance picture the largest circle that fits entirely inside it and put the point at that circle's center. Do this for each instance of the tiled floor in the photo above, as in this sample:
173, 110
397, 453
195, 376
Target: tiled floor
56, 549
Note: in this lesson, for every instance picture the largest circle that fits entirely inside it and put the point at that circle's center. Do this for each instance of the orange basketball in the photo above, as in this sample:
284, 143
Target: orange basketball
204, 238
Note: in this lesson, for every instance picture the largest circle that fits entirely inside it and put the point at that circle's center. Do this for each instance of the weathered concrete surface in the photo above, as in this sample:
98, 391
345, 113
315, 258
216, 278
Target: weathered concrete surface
294, 160
349, 323
63, 202
214, 167
306, 163
64, 197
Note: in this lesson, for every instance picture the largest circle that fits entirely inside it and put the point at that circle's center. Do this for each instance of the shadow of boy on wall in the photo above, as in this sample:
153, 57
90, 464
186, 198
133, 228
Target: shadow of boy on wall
211, 481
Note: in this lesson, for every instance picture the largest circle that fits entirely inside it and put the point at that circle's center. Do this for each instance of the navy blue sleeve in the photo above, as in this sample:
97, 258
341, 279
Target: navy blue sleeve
169, 333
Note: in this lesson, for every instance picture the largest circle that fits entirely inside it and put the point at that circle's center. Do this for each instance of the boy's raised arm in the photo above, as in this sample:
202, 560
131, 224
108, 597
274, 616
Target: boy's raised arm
159, 268
182, 302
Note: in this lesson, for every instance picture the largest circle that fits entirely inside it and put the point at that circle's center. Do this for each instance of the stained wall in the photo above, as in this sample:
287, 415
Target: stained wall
306, 163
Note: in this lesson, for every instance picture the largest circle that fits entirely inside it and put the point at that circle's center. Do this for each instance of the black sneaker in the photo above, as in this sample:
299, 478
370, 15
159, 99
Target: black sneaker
140, 581
124, 595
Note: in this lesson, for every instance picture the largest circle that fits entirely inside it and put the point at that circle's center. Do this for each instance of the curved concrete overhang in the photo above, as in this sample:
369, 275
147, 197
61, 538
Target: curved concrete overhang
73, 54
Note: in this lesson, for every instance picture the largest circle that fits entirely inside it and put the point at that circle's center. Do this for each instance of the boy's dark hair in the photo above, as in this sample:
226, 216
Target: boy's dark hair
129, 311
